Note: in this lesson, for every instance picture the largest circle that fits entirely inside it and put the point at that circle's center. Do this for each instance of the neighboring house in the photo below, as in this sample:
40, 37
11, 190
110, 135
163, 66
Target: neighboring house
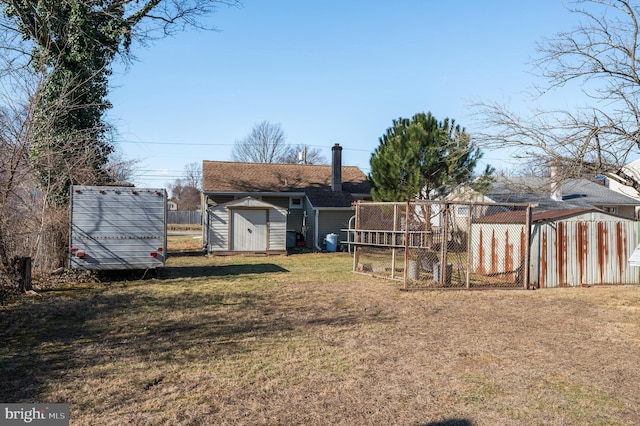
459, 213
570, 194
172, 206
248, 205
632, 169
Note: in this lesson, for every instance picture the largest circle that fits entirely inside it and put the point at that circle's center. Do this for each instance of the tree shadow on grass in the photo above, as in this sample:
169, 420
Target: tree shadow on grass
218, 270
50, 340
451, 422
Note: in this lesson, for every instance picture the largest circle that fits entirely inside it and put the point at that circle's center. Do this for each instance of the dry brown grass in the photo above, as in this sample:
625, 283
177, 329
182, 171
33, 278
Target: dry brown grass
301, 340
185, 243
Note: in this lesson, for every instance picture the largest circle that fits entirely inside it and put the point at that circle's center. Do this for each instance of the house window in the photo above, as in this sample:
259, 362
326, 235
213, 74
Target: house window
610, 209
295, 203
462, 211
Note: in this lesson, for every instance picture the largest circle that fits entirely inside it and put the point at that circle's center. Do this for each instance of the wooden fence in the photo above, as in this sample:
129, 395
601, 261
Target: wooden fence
184, 218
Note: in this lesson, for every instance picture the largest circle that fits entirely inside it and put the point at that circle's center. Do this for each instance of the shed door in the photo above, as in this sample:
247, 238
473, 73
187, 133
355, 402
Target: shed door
249, 230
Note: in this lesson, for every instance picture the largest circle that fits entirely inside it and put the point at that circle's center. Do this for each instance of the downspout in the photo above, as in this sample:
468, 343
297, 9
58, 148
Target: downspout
205, 224
315, 233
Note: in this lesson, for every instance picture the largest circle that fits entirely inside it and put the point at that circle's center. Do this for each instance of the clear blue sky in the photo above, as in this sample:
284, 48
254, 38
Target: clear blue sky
336, 71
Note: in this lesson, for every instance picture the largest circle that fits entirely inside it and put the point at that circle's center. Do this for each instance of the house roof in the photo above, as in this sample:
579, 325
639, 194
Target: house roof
228, 177
520, 216
576, 193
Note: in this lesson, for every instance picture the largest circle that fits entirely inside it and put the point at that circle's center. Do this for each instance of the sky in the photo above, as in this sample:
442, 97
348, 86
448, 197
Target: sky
336, 71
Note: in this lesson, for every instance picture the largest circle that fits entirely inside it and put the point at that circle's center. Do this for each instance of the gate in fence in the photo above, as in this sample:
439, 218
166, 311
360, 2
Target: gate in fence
434, 244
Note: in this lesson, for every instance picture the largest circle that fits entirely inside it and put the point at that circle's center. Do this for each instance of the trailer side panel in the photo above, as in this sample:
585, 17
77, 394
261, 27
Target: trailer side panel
117, 228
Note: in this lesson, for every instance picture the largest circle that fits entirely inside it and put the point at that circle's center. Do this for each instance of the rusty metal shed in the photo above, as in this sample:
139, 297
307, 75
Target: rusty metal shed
568, 248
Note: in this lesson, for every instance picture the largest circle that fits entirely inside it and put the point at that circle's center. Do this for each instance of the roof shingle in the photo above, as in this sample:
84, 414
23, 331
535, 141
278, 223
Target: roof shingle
576, 193
315, 181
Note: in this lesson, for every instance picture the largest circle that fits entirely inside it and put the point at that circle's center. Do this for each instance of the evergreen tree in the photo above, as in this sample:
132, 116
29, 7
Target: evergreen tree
423, 158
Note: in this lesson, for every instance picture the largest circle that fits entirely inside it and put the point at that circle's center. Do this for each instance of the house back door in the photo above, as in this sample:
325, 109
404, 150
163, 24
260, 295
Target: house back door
249, 230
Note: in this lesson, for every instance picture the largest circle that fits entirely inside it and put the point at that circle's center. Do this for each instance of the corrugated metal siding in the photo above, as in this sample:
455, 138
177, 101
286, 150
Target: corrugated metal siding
590, 251
117, 228
590, 248
499, 250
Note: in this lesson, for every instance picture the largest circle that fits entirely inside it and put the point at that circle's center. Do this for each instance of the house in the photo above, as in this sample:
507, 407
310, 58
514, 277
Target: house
172, 206
633, 170
570, 194
253, 207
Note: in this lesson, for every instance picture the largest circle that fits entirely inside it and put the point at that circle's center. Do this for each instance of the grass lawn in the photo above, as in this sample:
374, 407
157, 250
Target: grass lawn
302, 340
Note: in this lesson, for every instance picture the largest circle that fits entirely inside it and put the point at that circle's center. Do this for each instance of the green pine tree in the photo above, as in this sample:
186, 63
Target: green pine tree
423, 158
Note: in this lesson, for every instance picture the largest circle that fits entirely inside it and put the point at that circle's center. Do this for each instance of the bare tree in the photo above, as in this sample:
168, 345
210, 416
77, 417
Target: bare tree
16, 187
600, 55
186, 197
193, 175
185, 192
265, 144
302, 154
120, 169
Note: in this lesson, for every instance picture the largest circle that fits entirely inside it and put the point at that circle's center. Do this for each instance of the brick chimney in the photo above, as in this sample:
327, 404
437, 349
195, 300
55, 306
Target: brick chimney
336, 167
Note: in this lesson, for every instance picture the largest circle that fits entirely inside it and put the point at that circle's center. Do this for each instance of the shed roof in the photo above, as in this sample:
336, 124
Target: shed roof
249, 203
313, 180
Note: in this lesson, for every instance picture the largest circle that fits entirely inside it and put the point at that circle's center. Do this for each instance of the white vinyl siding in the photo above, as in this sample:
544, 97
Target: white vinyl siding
277, 229
219, 229
246, 225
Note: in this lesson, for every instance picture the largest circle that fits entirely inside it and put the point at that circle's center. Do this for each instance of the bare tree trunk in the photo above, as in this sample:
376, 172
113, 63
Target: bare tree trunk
22, 269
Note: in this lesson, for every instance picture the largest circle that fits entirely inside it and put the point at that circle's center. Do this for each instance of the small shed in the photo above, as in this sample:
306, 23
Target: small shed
568, 248
246, 225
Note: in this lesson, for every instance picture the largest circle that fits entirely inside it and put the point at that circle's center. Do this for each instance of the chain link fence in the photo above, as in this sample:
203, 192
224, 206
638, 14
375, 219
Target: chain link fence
433, 244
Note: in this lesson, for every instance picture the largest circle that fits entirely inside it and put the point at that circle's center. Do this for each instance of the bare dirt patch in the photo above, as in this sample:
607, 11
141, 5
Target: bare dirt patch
300, 340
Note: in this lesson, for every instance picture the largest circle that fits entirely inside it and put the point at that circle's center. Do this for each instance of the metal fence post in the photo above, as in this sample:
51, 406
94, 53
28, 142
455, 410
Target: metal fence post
406, 244
469, 254
527, 249
444, 244
393, 241
355, 238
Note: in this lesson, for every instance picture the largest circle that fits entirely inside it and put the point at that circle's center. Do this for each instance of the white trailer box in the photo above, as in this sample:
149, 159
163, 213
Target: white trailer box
117, 228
